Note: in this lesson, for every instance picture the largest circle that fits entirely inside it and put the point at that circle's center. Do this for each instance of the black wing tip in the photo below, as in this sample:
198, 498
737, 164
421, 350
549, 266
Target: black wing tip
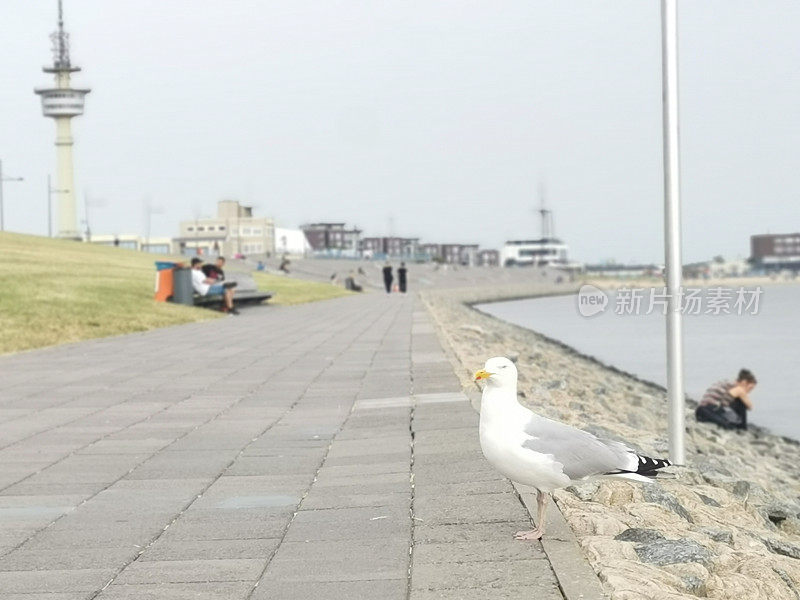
649, 466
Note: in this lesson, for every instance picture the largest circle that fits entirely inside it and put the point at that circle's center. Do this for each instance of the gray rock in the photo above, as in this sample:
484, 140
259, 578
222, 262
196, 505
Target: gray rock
787, 580
779, 547
584, 491
718, 535
752, 494
657, 495
779, 512
708, 501
668, 552
741, 489
694, 585
556, 384
637, 534
474, 328
713, 471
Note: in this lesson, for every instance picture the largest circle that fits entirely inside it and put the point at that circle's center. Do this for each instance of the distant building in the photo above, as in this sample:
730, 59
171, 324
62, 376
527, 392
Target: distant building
160, 245
390, 247
451, 254
543, 252
619, 271
234, 231
488, 258
333, 239
775, 252
291, 241
431, 252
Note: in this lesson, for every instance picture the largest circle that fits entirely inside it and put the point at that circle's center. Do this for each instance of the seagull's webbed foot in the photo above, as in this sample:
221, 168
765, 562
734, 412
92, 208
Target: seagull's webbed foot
533, 534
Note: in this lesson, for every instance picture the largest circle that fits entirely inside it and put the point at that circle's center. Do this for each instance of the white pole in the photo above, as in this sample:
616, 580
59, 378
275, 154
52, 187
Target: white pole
672, 228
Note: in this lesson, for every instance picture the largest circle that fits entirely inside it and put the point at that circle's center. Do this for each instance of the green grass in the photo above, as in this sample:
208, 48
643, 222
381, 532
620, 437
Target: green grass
295, 291
56, 291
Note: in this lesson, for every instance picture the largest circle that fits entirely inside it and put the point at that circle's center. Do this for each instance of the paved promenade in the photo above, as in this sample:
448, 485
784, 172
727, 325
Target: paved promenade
320, 451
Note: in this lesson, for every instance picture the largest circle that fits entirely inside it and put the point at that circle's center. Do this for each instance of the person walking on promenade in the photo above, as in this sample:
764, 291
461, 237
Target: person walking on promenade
387, 277
726, 403
401, 277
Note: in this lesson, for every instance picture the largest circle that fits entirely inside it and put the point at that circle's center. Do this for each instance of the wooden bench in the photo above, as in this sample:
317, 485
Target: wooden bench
239, 298
246, 292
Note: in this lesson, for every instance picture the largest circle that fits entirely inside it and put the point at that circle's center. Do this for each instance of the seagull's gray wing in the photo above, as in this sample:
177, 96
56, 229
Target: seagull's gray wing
581, 453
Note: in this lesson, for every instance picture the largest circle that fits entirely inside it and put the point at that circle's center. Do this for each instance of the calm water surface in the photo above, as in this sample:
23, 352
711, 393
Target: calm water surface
715, 346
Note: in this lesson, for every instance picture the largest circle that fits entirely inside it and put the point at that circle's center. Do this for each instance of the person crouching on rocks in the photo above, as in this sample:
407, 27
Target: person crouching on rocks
726, 403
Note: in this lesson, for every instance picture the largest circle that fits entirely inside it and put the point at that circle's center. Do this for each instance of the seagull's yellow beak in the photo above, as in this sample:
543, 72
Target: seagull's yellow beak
482, 374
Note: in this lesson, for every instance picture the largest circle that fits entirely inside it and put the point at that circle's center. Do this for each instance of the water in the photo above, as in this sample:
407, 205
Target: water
715, 346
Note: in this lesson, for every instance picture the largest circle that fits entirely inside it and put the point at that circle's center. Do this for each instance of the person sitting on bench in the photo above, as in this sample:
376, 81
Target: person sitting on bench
215, 271
206, 286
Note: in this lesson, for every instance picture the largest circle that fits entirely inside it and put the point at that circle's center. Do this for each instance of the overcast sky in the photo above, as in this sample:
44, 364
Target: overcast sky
415, 118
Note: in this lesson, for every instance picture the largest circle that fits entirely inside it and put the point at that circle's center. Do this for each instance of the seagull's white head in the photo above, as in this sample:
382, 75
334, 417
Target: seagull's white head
498, 371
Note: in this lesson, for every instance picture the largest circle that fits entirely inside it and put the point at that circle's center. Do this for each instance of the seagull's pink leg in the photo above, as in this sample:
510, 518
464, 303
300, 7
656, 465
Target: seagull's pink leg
535, 534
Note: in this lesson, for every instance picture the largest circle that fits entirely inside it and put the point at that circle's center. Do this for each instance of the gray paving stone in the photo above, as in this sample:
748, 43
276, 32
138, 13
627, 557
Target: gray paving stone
49, 596
504, 592
192, 571
344, 524
340, 561
358, 497
505, 548
55, 580
491, 574
188, 528
332, 590
218, 590
470, 532
75, 559
477, 508
166, 549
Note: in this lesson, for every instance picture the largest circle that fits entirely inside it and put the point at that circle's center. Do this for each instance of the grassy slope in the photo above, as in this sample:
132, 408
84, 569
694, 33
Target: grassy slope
295, 291
55, 291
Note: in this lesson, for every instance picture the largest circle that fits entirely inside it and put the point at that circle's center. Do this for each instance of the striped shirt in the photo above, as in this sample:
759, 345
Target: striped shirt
718, 395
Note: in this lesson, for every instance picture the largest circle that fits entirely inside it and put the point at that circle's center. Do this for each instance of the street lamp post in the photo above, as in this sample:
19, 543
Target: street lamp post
672, 228
50, 191
2, 179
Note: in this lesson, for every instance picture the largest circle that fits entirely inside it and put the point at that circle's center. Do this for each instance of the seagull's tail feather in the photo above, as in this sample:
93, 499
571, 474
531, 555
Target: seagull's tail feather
646, 470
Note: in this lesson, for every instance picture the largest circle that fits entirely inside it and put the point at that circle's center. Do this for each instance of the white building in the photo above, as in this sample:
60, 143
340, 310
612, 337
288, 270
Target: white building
541, 252
291, 241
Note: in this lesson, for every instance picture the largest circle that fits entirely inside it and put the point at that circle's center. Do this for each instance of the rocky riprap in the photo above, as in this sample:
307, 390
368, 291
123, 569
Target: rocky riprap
726, 525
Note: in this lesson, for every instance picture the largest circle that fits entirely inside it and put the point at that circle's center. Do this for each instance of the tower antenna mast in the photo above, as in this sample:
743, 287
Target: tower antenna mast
546, 214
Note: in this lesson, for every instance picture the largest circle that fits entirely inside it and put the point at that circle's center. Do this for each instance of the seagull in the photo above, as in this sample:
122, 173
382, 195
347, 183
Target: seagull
542, 453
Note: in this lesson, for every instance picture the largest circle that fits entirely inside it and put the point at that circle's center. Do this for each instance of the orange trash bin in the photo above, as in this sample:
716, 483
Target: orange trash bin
164, 280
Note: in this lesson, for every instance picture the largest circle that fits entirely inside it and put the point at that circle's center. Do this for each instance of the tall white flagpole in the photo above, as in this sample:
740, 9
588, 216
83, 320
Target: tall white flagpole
672, 228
